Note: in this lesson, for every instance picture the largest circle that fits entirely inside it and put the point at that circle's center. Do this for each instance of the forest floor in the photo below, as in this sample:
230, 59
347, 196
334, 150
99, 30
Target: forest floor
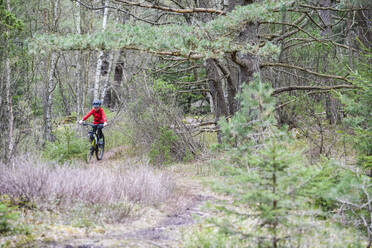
164, 225
177, 221
155, 228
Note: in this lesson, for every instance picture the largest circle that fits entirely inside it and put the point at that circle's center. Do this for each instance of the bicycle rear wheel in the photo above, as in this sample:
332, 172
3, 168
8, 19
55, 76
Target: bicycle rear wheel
100, 149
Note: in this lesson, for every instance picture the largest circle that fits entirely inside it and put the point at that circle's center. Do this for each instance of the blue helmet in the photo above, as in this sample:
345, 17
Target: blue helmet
96, 103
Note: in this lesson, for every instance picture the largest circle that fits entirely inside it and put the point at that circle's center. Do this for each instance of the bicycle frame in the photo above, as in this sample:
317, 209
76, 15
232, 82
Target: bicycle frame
93, 137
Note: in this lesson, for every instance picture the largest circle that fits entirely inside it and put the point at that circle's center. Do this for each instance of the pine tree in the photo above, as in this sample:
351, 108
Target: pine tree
265, 175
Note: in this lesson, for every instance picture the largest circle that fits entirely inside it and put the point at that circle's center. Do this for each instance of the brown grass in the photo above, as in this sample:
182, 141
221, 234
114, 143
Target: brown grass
47, 185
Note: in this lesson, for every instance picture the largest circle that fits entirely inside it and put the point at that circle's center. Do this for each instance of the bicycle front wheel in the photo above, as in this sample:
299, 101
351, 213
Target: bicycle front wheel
90, 154
100, 148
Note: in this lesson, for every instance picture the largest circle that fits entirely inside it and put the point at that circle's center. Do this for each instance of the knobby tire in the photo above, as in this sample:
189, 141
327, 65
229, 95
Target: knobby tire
90, 154
100, 149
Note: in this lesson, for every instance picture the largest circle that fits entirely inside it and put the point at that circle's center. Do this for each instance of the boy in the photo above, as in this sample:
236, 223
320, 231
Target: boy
99, 118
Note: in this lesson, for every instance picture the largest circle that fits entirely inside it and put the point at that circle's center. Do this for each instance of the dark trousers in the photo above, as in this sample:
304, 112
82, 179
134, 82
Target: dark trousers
99, 132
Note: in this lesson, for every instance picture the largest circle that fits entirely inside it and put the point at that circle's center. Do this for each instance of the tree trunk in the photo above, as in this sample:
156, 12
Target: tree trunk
50, 84
9, 154
47, 103
118, 78
107, 76
216, 89
78, 73
100, 58
231, 88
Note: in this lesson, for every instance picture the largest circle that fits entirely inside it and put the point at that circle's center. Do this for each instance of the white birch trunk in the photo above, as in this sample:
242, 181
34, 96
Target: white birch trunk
107, 78
100, 58
49, 87
50, 84
9, 155
10, 112
78, 73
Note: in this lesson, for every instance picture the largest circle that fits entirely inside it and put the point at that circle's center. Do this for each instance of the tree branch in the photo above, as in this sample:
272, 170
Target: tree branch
120, 10
308, 40
189, 56
330, 8
305, 70
292, 88
292, 25
169, 9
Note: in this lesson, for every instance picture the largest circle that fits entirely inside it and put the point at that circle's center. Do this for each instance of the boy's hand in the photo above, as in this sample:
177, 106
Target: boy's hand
81, 122
105, 124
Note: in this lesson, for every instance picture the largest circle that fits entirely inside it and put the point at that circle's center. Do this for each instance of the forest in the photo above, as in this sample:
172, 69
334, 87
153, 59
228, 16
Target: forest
230, 123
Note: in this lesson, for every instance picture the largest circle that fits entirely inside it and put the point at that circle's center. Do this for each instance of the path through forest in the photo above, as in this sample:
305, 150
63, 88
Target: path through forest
162, 226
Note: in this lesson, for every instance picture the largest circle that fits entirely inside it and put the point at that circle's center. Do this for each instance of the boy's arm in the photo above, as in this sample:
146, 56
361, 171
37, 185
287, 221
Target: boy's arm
89, 114
104, 118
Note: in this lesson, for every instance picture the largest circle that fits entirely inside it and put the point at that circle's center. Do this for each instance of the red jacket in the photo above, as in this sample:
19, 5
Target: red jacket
99, 116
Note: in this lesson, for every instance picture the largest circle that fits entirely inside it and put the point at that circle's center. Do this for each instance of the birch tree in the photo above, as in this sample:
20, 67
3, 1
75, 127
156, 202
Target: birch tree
98, 74
10, 147
78, 60
10, 108
50, 83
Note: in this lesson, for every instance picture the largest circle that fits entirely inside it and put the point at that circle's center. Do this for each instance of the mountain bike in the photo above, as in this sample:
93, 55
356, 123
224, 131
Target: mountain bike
97, 146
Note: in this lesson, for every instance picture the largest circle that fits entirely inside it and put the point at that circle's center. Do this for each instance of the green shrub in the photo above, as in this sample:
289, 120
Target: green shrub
212, 237
157, 126
117, 134
271, 185
161, 149
358, 109
66, 147
326, 176
7, 215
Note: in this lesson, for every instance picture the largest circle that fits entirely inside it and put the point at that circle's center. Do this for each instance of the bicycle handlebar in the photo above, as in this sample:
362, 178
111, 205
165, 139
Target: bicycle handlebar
93, 125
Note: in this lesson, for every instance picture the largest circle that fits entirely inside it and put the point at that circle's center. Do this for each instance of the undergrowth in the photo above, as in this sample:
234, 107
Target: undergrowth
51, 186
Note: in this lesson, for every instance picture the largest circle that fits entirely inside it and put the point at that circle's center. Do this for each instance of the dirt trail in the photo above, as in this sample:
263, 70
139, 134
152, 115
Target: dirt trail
165, 229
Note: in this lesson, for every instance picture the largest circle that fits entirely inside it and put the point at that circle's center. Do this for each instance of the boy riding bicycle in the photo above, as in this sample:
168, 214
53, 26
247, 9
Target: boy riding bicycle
99, 117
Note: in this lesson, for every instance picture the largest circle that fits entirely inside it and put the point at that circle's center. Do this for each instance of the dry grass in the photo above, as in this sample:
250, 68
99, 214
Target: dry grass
46, 185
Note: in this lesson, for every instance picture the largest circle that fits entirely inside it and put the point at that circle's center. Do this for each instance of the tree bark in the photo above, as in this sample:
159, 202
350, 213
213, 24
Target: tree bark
78, 73
231, 88
9, 154
107, 76
117, 88
216, 89
100, 58
50, 84
48, 93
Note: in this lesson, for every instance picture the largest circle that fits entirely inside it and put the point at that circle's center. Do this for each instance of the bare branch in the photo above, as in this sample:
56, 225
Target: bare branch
292, 25
333, 9
193, 90
305, 70
322, 88
307, 40
169, 9
121, 10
